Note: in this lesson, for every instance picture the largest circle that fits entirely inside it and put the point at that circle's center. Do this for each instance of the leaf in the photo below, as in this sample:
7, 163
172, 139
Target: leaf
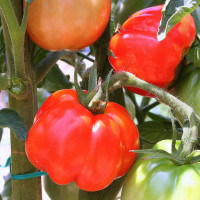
157, 117
92, 79
196, 16
152, 132
11, 119
172, 13
56, 80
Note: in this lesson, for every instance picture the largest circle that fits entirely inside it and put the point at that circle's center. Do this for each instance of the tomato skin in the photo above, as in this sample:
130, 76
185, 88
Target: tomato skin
71, 144
72, 25
138, 51
161, 179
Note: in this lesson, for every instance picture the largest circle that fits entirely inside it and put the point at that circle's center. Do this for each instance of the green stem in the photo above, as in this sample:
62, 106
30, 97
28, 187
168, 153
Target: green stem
173, 149
84, 56
126, 79
4, 82
25, 17
138, 111
148, 107
8, 47
189, 139
100, 52
25, 103
48, 62
10, 17
16, 35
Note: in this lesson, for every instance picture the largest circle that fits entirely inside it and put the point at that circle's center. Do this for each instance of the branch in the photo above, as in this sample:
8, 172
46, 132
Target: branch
48, 62
16, 35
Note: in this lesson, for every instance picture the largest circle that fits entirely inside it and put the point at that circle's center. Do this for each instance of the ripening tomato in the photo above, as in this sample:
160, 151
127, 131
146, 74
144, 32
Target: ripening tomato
72, 25
161, 179
138, 51
72, 144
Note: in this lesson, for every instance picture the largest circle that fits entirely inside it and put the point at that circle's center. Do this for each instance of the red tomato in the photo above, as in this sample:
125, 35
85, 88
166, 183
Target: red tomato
71, 144
139, 52
67, 24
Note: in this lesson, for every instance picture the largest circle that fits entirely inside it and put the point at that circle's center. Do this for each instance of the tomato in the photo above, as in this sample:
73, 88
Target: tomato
161, 179
72, 144
72, 25
138, 51
187, 88
125, 8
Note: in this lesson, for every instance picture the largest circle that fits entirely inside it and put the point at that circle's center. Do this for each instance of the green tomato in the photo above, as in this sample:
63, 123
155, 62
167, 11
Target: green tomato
161, 179
187, 87
125, 8
60, 192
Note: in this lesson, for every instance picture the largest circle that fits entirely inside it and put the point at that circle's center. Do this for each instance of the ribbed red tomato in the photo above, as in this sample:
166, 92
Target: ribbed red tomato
71, 144
67, 24
139, 52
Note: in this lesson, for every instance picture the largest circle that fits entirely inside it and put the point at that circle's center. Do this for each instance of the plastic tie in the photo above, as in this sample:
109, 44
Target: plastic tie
27, 176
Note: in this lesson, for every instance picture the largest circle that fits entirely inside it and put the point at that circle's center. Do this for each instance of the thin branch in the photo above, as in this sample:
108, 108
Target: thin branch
85, 56
25, 17
48, 62
150, 106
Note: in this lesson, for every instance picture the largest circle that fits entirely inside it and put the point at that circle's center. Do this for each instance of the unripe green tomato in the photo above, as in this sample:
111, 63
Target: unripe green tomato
60, 192
125, 8
187, 87
161, 179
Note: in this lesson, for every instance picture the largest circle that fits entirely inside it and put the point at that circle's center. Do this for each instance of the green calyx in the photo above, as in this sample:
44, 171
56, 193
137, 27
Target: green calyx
163, 150
97, 97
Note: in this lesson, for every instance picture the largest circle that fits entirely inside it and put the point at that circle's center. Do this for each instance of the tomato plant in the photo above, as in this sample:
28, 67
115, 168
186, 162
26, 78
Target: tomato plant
72, 25
138, 51
70, 143
160, 178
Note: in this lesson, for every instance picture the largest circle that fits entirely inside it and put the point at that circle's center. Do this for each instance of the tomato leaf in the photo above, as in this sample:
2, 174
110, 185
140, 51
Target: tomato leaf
92, 79
56, 80
11, 119
152, 132
196, 16
172, 13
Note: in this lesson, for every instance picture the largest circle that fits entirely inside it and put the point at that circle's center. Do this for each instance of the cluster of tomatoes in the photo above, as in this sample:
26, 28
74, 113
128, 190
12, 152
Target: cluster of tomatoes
94, 149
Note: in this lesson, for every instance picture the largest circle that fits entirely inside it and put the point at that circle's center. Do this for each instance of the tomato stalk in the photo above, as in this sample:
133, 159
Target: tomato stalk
22, 95
190, 134
188, 139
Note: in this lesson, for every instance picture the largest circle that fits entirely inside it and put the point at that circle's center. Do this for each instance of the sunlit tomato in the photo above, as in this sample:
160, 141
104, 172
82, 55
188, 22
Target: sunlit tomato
67, 24
138, 51
72, 144
161, 179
